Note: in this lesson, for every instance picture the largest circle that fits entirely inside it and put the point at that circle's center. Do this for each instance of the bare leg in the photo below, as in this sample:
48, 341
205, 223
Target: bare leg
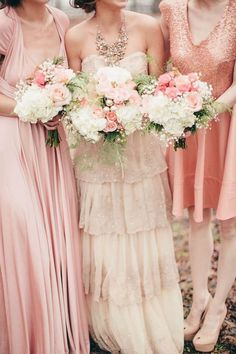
226, 269
201, 249
207, 337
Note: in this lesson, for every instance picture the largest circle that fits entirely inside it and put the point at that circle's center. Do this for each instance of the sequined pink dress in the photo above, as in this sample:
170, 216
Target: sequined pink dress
42, 307
129, 267
204, 175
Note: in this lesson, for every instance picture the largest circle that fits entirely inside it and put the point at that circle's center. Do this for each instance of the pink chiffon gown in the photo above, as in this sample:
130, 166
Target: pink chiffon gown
204, 175
42, 308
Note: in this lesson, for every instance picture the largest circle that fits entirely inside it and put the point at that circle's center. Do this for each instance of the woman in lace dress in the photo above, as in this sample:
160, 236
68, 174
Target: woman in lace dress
201, 37
42, 305
129, 268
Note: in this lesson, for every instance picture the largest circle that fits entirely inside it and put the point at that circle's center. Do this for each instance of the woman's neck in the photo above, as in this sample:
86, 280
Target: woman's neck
108, 17
33, 12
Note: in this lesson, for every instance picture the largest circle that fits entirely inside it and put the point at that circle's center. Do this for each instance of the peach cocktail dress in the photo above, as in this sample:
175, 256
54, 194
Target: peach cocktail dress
129, 268
204, 175
42, 309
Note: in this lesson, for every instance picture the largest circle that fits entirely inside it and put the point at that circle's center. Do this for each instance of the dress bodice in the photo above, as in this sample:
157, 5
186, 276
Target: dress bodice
18, 64
136, 63
143, 153
214, 57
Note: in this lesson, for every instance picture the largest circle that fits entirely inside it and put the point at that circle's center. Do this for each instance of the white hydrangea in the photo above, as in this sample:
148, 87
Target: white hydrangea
177, 118
131, 118
156, 107
36, 105
87, 123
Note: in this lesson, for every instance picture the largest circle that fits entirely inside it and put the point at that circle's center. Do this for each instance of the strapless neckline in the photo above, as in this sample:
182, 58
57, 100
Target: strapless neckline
135, 62
92, 56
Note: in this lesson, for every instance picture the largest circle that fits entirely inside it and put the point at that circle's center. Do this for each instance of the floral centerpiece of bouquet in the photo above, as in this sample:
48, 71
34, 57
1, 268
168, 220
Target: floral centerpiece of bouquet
45, 95
105, 107
176, 105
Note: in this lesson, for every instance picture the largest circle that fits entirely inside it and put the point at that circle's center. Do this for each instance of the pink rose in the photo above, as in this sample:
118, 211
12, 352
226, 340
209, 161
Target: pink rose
111, 116
63, 75
164, 79
172, 92
60, 95
39, 78
194, 101
183, 83
110, 127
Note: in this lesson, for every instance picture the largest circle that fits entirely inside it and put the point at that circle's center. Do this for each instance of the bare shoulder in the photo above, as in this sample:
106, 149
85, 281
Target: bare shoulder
6, 22
143, 22
78, 33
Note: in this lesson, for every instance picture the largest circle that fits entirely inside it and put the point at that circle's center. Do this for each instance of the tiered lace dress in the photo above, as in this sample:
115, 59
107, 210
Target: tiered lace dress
129, 268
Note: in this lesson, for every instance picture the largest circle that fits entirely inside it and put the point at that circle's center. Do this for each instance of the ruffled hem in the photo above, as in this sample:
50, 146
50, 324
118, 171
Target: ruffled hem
125, 269
155, 326
133, 297
124, 208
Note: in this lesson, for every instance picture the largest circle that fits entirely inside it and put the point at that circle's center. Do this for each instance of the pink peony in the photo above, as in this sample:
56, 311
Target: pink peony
135, 98
120, 94
62, 75
39, 79
164, 79
172, 92
60, 94
183, 83
110, 127
194, 101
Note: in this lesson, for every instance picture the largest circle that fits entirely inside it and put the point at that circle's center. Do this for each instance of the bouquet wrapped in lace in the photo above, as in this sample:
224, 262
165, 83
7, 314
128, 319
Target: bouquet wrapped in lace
177, 105
44, 96
105, 107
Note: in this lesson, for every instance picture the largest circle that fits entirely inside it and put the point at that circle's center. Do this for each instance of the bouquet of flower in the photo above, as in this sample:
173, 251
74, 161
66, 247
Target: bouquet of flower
176, 105
45, 95
105, 106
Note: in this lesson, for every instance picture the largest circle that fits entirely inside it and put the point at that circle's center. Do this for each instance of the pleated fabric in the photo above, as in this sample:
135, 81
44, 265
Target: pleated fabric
42, 305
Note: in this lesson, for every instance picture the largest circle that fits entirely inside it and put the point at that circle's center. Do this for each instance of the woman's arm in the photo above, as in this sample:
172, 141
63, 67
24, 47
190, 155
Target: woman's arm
72, 48
165, 32
7, 106
155, 47
229, 96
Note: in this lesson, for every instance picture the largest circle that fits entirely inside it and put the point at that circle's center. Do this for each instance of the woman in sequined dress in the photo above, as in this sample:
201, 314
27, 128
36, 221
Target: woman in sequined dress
129, 268
201, 37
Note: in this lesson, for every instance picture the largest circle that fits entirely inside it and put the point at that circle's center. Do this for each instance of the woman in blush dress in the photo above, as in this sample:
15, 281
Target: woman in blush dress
200, 37
42, 307
129, 268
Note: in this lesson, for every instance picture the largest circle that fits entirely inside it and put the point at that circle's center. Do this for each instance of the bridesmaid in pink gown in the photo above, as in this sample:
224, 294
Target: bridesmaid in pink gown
201, 37
42, 309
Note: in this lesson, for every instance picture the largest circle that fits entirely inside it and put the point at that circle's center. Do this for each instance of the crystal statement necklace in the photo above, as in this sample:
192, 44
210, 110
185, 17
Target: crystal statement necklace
115, 52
